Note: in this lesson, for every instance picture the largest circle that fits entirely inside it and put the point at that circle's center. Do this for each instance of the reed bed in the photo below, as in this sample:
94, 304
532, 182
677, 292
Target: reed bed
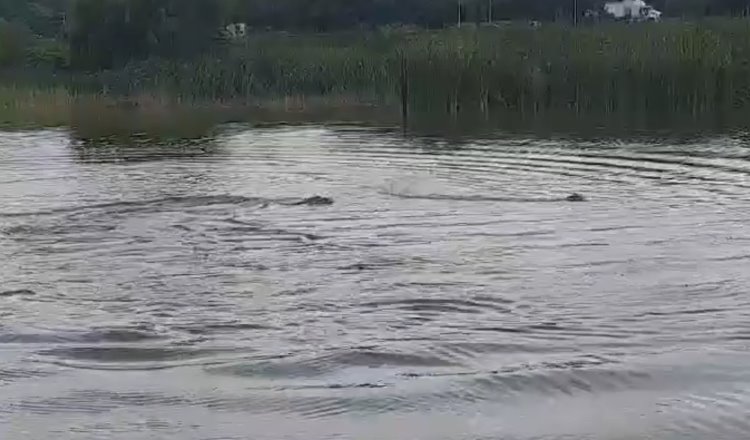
626, 71
631, 70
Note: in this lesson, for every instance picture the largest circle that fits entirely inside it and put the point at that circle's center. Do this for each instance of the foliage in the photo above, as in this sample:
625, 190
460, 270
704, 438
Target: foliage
14, 40
628, 70
42, 17
111, 33
171, 48
106, 34
48, 53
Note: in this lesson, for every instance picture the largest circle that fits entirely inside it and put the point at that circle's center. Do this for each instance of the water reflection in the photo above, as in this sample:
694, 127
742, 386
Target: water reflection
142, 148
94, 119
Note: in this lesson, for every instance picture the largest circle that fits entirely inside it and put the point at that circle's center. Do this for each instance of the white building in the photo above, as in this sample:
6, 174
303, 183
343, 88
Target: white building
632, 10
236, 30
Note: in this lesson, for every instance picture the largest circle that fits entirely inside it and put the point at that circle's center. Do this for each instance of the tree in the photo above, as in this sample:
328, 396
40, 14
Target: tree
42, 17
111, 33
14, 41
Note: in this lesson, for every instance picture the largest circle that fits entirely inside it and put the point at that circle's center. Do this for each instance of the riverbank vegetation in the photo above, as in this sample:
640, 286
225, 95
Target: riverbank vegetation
146, 51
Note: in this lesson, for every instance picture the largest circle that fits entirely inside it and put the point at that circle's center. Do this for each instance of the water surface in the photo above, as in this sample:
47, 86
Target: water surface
165, 290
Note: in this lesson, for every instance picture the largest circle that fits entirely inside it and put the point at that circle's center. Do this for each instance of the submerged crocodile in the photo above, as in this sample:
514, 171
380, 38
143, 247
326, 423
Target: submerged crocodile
574, 197
310, 201
321, 200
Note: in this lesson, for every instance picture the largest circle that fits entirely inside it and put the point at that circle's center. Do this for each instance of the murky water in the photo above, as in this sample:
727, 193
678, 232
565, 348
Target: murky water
174, 292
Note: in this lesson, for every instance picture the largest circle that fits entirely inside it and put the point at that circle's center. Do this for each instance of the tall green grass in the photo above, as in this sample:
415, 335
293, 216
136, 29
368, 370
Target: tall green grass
629, 72
27, 107
632, 70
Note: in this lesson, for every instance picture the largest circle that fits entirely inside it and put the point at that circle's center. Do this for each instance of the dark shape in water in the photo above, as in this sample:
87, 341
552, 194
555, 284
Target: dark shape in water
315, 201
575, 197
356, 266
19, 292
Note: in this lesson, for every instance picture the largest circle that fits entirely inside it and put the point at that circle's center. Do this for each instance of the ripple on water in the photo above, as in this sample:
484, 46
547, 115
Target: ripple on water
330, 362
128, 357
448, 291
